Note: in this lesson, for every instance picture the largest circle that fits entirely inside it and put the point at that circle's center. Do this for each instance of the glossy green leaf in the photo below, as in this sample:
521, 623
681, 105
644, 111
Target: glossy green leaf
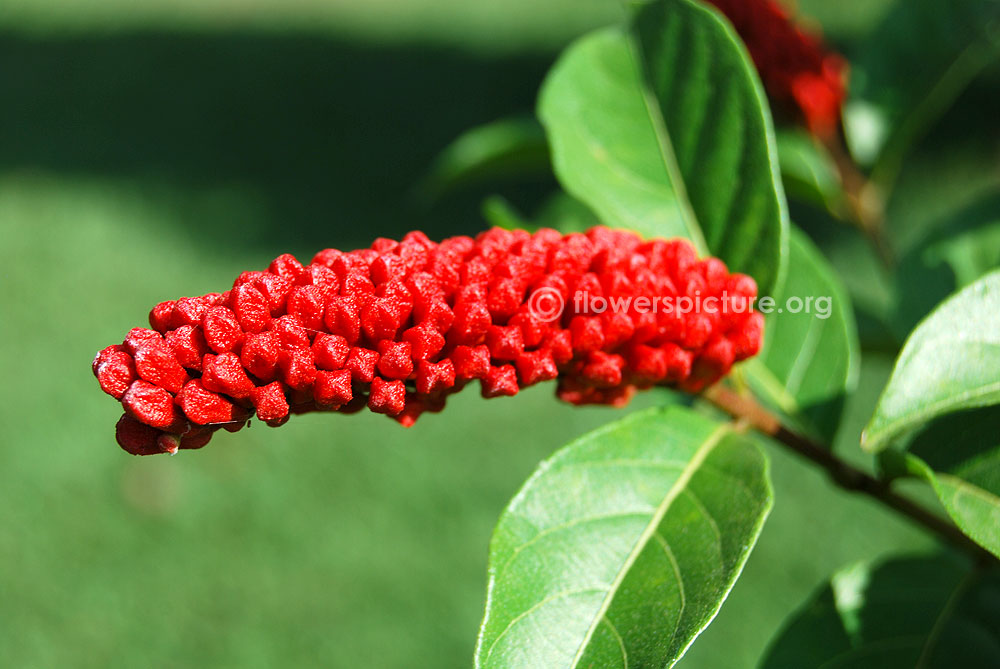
665, 129
809, 361
621, 548
959, 456
913, 612
950, 362
504, 148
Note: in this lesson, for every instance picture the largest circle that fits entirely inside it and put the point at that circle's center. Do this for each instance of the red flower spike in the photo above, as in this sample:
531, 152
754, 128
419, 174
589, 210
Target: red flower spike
505, 343
270, 402
333, 388
161, 317
150, 404
297, 368
361, 363
330, 351
535, 367
275, 290
115, 371
222, 330
603, 370
587, 333
343, 317
434, 376
205, 407
138, 337
251, 308
471, 362
190, 310
500, 382
137, 438
297, 339
560, 344
287, 267
195, 441
224, 373
388, 397
797, 70
291, 334
394, 361
259, 354
305, 304
155, 362
189, 346
425, 342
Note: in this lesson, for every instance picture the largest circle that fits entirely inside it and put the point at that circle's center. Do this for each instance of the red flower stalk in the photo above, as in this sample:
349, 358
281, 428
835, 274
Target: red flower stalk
402, 325
798, 71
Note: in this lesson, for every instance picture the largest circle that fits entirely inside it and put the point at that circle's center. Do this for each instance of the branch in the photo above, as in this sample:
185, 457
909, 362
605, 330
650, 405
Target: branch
843, 474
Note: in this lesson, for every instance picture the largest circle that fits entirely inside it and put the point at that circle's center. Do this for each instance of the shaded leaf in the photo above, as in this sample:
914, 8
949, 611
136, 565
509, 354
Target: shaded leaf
950, 362
959, 456
504, 148
907, 612
500, 213
621, 548
665, 130
808, 363
566, 214
808, 172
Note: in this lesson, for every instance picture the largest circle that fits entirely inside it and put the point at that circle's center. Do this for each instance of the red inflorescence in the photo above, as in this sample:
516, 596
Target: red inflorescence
796, 68
402, 325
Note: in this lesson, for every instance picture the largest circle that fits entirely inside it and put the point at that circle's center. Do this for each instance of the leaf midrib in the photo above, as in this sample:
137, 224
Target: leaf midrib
666, 150
711, 441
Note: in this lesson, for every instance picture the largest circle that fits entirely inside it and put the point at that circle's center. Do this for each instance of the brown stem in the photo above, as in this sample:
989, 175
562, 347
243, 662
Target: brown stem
864, 198
843, 474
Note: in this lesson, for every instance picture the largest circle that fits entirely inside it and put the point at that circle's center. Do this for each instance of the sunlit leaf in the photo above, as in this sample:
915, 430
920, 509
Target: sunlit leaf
504, 148
621, 548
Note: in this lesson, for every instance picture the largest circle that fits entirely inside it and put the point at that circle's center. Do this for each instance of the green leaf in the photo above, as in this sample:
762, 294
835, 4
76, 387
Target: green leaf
665, 130
809, 363
620, 549
959, 456
950, 362
808, 171
912, 612
504, 148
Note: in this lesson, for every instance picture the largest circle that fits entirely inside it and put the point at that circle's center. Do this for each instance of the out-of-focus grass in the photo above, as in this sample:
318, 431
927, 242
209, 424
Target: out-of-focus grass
157, 149
482, 25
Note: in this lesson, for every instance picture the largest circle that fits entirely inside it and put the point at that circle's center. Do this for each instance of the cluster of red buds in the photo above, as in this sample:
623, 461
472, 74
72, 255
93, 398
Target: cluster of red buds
401, 325
798, 71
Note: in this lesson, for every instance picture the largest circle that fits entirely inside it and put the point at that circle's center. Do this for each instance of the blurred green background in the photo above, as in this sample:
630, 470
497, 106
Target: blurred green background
154, 151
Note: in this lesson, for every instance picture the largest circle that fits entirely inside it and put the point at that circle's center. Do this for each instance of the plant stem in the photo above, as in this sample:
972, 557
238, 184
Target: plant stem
843, 474
865, 199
